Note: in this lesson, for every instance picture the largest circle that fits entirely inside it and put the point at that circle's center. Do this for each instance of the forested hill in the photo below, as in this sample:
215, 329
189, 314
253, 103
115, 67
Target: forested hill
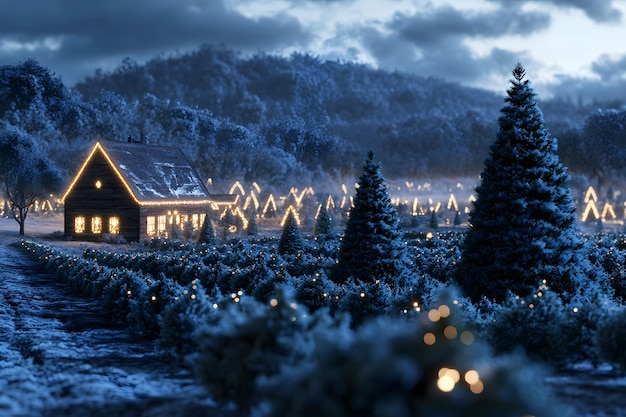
417, 126
280, 119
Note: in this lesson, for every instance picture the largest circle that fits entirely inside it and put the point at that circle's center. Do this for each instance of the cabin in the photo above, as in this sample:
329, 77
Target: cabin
137, 191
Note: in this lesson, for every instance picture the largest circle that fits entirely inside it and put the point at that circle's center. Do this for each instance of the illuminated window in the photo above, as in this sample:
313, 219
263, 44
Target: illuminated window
151, 226
98, 184
96, 225
114, 225
79, 224
195, 221
161, 224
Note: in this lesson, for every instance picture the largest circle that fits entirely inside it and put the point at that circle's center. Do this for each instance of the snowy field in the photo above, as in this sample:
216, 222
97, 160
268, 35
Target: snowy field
61, 356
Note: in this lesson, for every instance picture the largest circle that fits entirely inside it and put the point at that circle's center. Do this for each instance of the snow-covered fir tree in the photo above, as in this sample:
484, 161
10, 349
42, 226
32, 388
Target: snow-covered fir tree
323, 223
522, 227
372, 248
291, 238
207, 234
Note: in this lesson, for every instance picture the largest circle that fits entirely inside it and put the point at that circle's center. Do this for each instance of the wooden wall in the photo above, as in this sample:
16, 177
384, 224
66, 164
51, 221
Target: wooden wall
112, 199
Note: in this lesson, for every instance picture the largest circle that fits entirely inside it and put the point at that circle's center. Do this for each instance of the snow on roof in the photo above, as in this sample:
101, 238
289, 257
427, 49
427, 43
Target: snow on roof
156, 172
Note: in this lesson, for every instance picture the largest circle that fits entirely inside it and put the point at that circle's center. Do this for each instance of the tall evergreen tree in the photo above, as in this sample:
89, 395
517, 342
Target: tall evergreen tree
372, 247
290, 239
523, 226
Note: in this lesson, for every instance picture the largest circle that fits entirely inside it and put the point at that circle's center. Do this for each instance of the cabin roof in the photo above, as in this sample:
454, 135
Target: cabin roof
154, 174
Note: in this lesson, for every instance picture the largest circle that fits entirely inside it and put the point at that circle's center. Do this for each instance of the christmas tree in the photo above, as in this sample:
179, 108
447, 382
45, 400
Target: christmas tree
323, 224
372, 248
290, 239
522, 227
206, 235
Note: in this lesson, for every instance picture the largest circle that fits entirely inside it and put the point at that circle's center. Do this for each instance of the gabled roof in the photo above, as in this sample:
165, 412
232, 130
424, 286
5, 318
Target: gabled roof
153, 174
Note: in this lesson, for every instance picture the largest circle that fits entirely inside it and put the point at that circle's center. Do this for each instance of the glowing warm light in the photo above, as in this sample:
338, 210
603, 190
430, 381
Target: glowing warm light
477, 388
298, 198
452, 373
429, 235
295, 215
471, 377
575, 310
153, 298
79, 224
608, 212
434, 315
452, 203
96, 225
269, 204
114, 225
415, 209
467, 337
430, 339
251, 201
445, 383
444, 310
330, 203
237, 187
448, 378
273, 302
362, 295
590, 195
450, 332
98, 184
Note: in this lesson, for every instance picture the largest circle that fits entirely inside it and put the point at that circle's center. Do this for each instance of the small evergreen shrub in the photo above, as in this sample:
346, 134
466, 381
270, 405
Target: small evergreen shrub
250, 340
611, 339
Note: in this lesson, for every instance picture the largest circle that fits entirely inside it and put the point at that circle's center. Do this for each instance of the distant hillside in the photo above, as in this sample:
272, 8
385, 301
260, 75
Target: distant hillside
417, 126
276, 119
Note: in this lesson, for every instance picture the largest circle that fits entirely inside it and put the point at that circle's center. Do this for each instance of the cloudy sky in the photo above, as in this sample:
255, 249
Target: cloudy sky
573, 47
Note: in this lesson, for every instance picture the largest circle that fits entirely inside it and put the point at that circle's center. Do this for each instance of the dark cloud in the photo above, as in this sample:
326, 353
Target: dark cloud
431, 43
438, 25
87, 33
449, 59
609, 68
597, 10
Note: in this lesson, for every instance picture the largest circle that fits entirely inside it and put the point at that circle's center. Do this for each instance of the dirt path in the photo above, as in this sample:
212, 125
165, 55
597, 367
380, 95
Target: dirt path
61, 356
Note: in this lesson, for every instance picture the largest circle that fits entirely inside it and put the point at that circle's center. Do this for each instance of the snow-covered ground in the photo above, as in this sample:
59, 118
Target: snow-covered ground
61, 356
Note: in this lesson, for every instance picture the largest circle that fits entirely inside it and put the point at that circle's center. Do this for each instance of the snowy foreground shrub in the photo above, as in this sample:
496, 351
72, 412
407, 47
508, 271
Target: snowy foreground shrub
250, 340
426, 364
